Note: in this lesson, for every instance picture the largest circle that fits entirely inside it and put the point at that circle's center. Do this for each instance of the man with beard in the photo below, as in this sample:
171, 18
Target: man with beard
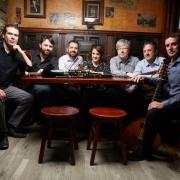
71, 60
12, 57
68, 62
41, 59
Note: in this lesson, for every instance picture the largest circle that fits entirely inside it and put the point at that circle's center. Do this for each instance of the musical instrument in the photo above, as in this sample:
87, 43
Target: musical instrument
133, 134
75, 73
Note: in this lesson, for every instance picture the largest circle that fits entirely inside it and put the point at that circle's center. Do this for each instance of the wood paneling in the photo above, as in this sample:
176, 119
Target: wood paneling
30, 37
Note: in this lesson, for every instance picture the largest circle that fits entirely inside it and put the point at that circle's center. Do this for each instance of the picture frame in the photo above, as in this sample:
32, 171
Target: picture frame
178, 18
93, 12
35, 8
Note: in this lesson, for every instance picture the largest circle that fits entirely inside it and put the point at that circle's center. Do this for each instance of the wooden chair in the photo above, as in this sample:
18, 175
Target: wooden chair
106, 115
55, 118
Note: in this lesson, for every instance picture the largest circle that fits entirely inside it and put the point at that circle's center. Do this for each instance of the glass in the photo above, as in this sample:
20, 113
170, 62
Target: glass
123, 49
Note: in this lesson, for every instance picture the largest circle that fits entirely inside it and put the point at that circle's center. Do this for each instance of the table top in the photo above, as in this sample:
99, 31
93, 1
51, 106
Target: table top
34, 79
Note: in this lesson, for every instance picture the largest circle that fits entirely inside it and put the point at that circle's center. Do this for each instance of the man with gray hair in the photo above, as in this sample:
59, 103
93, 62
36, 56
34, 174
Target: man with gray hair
121, 65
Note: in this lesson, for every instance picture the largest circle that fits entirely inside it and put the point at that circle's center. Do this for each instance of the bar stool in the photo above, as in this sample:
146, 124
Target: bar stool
55, 118
106, 115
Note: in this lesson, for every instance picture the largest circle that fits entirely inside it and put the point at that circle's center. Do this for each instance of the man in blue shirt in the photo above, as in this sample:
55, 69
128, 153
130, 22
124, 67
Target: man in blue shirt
151, 61
161, 113
12, 57
147, 67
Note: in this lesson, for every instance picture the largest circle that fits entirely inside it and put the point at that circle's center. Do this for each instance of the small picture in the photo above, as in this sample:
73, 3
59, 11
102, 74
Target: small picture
109, 12
146, 20
34, 8
93, 12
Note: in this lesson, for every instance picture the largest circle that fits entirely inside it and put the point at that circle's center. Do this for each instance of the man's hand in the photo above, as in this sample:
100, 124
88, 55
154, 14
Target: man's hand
137, 78
2, 95
16, 47
155, 104
23, 54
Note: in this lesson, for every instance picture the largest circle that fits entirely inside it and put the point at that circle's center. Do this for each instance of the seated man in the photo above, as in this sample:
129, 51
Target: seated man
148, 67
42, 59
12, 57
71, 61
124, 96
161, 112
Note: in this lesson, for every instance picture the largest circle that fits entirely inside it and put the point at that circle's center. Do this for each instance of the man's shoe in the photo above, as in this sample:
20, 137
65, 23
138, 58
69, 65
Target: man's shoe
136, 156
175, 165
4, 144
13, 132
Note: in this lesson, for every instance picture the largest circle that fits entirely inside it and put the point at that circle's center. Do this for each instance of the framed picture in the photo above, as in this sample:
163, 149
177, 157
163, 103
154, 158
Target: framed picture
93, 12
35, 8
178, 17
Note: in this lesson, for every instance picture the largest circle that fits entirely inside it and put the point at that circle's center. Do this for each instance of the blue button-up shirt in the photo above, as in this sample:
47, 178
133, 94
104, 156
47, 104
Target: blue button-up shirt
66, 63
144, 66
172, 86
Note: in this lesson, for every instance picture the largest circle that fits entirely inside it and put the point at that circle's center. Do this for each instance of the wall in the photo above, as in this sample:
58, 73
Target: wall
3, 13
125, 19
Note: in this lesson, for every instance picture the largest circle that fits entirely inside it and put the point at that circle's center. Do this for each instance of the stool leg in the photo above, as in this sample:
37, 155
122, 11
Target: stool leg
72, 157
95, 141
90, 139
49, 138
75, 137
122, 144
43, 143
91, 136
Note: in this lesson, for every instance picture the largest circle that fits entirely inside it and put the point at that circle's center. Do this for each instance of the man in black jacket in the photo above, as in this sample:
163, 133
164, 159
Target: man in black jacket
12, 57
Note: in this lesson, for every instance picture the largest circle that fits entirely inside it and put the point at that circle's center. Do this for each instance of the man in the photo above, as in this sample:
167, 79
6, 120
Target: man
148, 67
161, 113
43, 59
151, 61
71, 60
12, 57
122, 65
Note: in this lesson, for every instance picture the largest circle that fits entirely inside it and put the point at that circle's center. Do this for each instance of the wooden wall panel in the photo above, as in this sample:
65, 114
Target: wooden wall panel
125, 19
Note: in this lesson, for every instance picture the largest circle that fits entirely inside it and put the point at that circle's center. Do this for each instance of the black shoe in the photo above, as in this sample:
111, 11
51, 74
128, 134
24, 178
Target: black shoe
13, 132
4, 144
136, 156
175, 165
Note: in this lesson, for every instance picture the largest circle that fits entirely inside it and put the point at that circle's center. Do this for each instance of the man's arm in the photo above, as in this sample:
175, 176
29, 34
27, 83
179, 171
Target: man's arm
23, 54
2, 95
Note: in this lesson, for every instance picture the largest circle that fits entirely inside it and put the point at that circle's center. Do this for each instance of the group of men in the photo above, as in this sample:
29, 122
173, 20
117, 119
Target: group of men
13, 57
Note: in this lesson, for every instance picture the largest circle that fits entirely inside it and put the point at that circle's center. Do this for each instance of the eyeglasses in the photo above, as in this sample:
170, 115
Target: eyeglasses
123, 49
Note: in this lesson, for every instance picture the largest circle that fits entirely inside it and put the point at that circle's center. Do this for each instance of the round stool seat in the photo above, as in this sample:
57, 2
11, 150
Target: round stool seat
107, 113
59, 111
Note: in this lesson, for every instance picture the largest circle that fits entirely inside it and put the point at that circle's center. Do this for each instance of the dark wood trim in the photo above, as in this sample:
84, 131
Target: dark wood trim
86, 32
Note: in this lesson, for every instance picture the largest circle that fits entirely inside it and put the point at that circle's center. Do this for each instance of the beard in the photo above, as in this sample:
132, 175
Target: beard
45, 52
72, 54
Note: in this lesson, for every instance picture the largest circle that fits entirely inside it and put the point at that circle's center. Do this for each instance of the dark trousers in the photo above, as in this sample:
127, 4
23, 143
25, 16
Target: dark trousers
160, 121
23, 102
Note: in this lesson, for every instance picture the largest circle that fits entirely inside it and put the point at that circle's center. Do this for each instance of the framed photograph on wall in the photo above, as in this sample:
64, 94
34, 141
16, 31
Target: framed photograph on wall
93, 12
35, 8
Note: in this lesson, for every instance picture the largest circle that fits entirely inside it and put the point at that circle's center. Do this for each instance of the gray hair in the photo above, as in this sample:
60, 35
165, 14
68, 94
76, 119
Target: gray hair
123, 41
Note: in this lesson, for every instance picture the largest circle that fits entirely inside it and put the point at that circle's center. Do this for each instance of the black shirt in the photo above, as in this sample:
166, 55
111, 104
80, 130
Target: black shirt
37, 64
9, 63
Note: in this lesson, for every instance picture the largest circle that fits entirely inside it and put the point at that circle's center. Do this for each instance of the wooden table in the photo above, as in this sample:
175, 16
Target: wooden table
24, 80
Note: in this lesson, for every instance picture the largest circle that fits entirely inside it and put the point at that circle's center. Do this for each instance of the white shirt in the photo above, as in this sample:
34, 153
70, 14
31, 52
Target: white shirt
66, 63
